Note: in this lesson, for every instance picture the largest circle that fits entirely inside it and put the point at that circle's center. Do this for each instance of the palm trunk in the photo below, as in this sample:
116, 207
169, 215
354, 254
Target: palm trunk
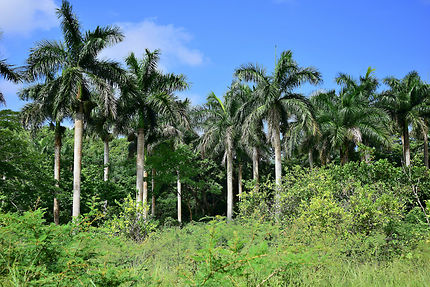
311, 159
145, 194
240, 180
323, 158
106, 159
278, 167
255, 157
140, 164
179, 186
344, 154
57, 155
277, 147
406, 145
153, 193
77, 161
426, 149
229, 178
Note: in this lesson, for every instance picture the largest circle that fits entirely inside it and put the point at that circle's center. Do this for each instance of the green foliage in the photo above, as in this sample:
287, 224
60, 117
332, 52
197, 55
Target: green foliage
25, 181
130, 222
368, 201
35, 254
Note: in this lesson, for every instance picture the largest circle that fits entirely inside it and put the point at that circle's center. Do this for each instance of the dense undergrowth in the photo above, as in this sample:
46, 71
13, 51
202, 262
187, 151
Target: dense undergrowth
356, 225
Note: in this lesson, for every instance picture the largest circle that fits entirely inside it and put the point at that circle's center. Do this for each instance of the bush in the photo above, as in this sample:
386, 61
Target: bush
130, 221
33, 253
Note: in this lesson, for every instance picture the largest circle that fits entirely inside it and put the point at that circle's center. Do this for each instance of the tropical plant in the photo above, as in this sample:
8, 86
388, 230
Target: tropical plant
148, 95
36, 113
349, 118
101, 124
219, 122
407, 102
275, 100
79, 72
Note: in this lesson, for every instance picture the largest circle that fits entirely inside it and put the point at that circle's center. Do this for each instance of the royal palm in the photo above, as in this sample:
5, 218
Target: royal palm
275, 100
148, 95
78, 71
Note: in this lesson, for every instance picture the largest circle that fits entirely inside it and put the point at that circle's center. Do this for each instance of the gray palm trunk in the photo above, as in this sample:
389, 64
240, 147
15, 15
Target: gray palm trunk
311, 159
77, 161
179, 193
278, 166
277, 147
255, 175
106, 160
240, 180
57, 155
140, 164
406, 146
229, 178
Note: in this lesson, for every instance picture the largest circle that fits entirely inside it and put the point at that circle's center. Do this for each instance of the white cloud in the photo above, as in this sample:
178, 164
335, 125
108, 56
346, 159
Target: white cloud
24, 16
172, 41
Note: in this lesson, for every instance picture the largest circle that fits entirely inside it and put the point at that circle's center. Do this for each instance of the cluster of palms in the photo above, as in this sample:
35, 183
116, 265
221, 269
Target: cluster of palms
334, 124
70, 81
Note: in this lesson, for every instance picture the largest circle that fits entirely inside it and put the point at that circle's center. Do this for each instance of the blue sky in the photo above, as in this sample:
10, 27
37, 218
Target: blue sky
206, 40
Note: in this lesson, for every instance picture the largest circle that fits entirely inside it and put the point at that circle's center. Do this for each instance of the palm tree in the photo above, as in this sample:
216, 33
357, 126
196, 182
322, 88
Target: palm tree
174, 129
406, 101
349, 118
249, 139
148, 95
78, 71
36, 113
219, 125
100, 123
275, 100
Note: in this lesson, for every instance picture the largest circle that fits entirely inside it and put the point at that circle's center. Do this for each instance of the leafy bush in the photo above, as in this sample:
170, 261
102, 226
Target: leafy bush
33, 253
130, 221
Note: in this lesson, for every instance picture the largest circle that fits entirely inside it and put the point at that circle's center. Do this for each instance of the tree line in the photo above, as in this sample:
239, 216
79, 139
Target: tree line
261, 117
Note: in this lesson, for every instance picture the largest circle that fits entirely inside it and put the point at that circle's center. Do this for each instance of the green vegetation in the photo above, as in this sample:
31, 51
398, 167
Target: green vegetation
278, 189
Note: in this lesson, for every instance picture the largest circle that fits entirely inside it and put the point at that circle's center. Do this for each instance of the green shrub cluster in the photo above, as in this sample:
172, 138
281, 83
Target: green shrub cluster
33, 253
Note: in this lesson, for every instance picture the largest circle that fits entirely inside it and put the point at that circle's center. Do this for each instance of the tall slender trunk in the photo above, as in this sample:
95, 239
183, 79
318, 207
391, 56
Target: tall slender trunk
406, 145
145, 194
426, 149
106, 159
229, 178
57, 156
77, 161
255, 157
278, 167
140, 164
311, 159
277, 147
179, 191
153, 192
240, 180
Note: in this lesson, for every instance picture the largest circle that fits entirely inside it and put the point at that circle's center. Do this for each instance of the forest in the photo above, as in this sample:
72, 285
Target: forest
108, 178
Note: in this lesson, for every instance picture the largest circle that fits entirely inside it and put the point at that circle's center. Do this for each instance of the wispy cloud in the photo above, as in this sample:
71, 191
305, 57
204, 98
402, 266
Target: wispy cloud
171, 40
25, 16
